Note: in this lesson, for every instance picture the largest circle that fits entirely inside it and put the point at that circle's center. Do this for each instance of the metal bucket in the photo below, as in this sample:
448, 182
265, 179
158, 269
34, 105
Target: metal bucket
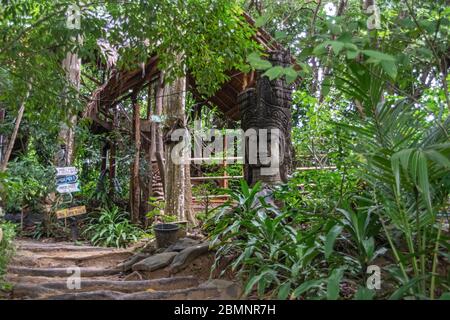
166, 234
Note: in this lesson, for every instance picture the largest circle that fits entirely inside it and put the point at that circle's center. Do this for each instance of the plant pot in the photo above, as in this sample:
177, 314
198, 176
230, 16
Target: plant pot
166, 234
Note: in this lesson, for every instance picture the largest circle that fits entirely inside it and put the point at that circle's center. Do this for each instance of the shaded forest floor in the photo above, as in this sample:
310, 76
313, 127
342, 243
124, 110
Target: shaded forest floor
50, 270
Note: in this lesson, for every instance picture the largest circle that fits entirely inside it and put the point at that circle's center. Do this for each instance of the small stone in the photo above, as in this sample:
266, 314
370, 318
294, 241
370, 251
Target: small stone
182, 244
130, 262
155, 262
183, 258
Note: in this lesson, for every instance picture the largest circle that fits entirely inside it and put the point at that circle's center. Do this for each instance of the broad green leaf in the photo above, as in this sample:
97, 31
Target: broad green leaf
257, 63
352, 54
283, 291
424, 183
333, 284
261, 20
334, 232
320, 49
251, 283
345, 37
337, 46
364, 293
369, 247
291, 74
378, 55
305, 286
400, 292
390, 68
274, 72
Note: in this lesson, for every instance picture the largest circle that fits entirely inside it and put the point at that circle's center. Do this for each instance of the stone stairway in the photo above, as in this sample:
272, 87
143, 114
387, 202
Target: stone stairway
50, 271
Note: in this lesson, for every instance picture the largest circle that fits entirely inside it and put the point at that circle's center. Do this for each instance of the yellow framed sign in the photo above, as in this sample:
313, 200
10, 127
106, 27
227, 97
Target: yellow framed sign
70, 212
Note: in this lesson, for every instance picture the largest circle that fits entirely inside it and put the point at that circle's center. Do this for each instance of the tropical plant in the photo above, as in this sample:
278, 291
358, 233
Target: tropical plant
27, 183
407, 170
276, 251
111, 228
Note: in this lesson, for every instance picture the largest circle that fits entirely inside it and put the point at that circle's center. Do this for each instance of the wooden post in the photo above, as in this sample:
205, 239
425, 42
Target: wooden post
224, 163
134, 183
104, 157
4, 163
149, 154
159, 146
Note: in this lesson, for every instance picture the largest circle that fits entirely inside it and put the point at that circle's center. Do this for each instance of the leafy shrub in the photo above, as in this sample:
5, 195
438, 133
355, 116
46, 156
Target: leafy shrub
6, 247
273, 250
27, 183
111, 228
406, 167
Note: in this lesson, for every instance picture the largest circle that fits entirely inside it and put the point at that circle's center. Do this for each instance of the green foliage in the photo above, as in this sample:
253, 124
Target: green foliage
27, 183
111, 228
6, 246
279, 253
156, 213
408, 172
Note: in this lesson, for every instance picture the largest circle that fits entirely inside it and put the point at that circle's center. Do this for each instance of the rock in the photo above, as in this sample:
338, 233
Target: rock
149, 248
155, 262
128, 263
183, 258
182, 244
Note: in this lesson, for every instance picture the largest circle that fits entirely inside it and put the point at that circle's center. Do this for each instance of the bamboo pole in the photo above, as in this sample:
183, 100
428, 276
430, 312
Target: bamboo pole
15, 131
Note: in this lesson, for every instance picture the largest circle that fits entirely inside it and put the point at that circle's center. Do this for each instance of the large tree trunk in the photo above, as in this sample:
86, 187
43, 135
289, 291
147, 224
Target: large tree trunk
266, 109
177, 174
72, 65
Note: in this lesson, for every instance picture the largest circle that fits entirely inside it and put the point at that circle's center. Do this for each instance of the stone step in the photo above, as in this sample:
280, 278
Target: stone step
60, 246
33, 291
53, 259
61, 272
211, 290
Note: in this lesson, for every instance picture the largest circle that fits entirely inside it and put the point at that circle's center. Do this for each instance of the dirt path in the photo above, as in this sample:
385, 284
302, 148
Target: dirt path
63, 270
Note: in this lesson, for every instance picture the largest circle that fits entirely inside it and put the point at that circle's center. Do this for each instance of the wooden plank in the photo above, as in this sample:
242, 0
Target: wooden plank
216, 158
218, 196
216, 178
315, 168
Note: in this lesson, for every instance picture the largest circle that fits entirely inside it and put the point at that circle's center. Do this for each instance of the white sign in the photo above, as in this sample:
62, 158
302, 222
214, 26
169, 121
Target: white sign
68, 188
66, 171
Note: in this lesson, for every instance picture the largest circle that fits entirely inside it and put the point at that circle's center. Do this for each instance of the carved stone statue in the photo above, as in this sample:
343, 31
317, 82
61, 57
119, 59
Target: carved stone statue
268, 106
